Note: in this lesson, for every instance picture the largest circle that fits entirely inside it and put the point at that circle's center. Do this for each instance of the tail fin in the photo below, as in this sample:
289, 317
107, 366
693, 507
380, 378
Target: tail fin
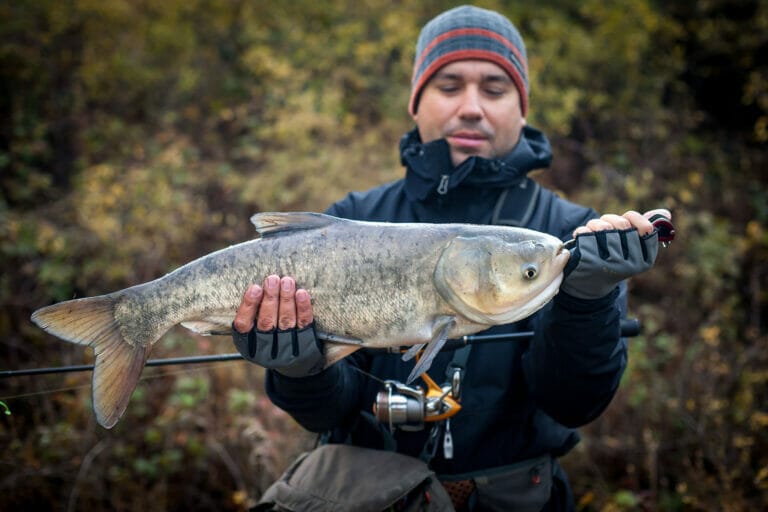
91, 321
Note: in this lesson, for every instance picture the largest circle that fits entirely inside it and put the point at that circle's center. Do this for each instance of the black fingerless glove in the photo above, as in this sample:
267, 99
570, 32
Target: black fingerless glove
602, 259
293, 352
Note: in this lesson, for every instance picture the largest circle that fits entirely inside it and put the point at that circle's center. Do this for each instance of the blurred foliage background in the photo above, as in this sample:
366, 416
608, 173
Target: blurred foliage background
137, 135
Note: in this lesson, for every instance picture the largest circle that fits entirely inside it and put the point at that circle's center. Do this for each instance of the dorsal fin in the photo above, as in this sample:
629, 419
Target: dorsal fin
274, 223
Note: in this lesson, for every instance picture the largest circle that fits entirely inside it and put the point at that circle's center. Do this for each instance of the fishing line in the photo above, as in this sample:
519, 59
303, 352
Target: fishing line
143, 377
46, 392
369, 375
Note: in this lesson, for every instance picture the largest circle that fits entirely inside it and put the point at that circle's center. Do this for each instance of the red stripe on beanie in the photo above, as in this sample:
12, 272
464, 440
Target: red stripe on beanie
470, 32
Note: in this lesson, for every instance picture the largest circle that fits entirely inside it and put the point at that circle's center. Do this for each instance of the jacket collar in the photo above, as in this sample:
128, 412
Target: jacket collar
430, 171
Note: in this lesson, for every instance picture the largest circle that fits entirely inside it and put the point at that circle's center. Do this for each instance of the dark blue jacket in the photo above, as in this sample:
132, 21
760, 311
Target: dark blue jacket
520, 399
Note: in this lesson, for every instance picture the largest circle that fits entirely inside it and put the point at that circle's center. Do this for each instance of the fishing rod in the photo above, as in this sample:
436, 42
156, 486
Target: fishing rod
150, 362
629, 327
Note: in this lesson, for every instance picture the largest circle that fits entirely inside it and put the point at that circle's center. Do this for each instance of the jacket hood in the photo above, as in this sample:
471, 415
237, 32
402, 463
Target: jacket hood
429, 169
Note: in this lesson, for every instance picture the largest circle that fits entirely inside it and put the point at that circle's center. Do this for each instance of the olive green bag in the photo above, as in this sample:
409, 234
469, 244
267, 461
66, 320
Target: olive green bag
339, 478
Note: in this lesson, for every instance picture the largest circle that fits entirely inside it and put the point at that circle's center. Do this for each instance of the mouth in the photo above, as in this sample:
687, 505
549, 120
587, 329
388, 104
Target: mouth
467, 139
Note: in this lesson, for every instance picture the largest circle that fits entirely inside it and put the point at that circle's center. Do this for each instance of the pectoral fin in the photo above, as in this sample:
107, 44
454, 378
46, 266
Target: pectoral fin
440, 335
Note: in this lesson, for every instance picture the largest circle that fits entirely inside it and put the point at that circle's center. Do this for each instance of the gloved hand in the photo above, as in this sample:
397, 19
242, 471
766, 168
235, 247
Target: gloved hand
604, 256
293, 352
274, 328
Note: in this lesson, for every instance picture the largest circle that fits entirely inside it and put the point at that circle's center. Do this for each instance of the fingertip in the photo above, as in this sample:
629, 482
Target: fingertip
272, 283
253, 292
599, 225
617, 221
287, 284
581, 230
242, 325
630, 213
303, 308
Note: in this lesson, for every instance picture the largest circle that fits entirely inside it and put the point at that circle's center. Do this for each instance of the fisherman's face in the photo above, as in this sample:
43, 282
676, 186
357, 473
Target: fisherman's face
475, 106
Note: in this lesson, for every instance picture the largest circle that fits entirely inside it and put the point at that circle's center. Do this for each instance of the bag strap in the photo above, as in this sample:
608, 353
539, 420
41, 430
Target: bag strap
516, 204
459, 362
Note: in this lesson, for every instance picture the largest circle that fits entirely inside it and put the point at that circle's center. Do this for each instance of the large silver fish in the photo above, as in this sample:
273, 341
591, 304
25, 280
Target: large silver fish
372, 284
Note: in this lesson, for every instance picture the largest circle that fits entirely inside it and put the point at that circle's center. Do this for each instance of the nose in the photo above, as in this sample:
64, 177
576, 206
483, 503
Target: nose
470, 107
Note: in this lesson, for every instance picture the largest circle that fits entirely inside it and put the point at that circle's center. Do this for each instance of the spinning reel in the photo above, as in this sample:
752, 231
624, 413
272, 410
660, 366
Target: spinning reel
410, 407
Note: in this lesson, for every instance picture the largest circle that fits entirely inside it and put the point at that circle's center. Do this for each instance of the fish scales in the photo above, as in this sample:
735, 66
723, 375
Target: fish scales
216, 283
374, 284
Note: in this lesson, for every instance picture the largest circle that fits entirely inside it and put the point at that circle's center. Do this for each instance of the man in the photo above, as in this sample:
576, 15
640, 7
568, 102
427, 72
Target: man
467, 161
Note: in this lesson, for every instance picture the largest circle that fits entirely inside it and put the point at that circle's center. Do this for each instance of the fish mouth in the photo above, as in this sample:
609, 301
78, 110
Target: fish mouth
562, 255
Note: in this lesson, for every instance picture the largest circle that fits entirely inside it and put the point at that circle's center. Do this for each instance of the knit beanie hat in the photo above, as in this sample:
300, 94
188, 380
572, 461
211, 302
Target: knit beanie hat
469, 32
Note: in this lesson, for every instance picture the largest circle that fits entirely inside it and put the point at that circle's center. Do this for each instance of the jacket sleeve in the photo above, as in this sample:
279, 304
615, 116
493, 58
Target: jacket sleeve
342, 208
577, 357
319, 402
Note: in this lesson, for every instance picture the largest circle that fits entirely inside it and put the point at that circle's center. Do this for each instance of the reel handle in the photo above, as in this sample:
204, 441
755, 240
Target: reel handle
664, 227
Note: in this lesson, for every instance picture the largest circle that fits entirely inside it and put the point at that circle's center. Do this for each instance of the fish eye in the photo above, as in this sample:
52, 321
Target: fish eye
530, 271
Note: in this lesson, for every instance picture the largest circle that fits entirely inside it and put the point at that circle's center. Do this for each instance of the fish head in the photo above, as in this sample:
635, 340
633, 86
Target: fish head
495, 280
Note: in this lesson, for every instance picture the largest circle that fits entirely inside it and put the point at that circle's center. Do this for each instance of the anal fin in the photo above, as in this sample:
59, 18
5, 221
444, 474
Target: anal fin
411, 353
335, 352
